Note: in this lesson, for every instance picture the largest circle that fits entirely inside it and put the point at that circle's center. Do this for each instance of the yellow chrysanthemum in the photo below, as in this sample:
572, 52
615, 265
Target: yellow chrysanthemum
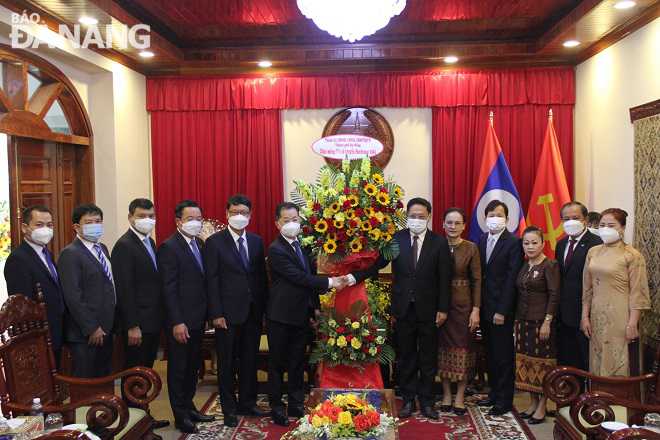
340, 216
385, 237
327, 213
330, 246
335, 206
353, 199
310, 204
355, 343
338, 224
342, 199
377, 178
355, 245
391, 228
369, 212
374, 233
321, 226
397, 192
366, 226
379, 216
371, 189
383, 199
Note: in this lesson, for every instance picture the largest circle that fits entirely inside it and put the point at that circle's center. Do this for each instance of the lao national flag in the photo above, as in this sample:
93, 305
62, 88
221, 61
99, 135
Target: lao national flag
495, 183
550, 192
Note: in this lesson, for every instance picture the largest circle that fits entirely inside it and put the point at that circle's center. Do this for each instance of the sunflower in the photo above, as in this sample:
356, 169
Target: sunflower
332, 237
350, 232
387, 219
371, 189
374, 234
321, 226
338, 224
385, 237
391, 229
355, 245
369, 212
350, 214
330, 246
335, 206
397, 192
366, 226
377, 178
383, 199
353, 199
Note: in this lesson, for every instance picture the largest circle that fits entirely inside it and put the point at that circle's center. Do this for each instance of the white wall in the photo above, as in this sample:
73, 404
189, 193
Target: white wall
625, 75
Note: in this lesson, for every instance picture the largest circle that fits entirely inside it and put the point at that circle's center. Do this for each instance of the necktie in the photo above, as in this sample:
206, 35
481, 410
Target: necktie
571, 243
415, 251
489, 249
198, 256
147, 243
296, 246
242, 252
99, 252
53, 272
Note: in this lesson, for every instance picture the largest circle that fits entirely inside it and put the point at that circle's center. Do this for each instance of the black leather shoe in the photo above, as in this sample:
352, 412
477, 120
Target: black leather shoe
524, 415
280, 418
429, 412
296, 411
488, 401
498, 410
407, 409
231, 420
459, 411
534, 421
157, 424
255, 411
187, 426
446, 408
197, 416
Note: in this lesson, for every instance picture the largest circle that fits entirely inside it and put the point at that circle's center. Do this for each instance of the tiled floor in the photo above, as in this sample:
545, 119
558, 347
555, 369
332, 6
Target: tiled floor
160, 408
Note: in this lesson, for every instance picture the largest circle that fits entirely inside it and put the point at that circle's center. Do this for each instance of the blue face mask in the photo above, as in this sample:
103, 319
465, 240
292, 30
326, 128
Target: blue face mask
92, 232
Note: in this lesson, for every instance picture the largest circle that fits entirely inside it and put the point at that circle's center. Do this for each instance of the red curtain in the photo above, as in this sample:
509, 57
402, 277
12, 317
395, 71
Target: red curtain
458, 140
208, 156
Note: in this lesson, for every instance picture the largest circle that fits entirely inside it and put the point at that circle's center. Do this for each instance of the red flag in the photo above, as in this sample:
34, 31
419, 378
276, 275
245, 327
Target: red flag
550, 192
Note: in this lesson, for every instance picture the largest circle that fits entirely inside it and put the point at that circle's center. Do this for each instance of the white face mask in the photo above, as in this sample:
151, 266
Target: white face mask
573, 227
239, 221
609, 235
41, 236
290, 230
495, 224
192, 227
417, 226
145, 225
593, 230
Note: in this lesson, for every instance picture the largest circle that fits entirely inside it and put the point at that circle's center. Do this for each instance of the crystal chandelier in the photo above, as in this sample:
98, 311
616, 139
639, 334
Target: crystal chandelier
351, 19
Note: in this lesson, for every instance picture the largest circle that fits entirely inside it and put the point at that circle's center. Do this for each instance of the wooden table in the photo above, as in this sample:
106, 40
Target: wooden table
387, 405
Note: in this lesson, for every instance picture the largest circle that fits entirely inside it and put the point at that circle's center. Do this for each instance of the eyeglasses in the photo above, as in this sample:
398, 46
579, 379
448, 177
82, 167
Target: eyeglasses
244, 213
417, 216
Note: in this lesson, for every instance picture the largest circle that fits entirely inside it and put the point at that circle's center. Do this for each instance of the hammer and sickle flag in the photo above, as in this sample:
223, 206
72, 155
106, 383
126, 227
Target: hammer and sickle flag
550, 192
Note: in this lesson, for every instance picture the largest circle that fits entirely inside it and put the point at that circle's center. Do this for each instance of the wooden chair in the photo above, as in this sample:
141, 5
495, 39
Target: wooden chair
26, 355
613, 399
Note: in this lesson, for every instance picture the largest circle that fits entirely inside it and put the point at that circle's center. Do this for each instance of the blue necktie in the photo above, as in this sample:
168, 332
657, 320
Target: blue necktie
296, 246
242, 252
53, 272
151, 251
198, 256
99, 252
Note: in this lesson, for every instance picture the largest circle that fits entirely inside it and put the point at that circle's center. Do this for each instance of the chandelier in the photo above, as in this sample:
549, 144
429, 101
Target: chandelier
351, 19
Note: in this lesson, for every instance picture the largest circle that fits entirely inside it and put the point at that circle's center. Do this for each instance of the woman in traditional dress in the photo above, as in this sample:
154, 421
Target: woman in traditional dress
456, 351
615, 292
539, 285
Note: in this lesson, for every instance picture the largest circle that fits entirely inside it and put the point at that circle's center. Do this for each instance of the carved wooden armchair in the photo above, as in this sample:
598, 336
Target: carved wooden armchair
615, 399
26, 355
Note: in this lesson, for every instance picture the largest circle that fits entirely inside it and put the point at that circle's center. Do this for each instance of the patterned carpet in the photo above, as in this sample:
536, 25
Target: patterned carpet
474, 425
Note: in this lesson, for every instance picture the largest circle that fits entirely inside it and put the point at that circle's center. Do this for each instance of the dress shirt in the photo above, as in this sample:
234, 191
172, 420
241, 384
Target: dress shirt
40, 251
141, 236
420, 241
290, 241
578, 238
235, 236
90, 247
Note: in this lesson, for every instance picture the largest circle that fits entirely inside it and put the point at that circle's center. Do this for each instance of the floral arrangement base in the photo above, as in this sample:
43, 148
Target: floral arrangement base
342, 376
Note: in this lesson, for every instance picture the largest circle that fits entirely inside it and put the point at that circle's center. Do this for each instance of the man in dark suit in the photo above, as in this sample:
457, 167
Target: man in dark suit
89, 292
571, 254
237, 285
31, 263
184, 293
139, 299
502, 256
293, 305
421, 291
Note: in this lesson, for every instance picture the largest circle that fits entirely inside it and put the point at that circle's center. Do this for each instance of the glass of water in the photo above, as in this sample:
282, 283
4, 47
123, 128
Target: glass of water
53, 422
652, 420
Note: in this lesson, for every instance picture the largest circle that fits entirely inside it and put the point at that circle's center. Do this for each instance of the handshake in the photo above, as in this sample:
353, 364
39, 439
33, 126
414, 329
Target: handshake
340, 282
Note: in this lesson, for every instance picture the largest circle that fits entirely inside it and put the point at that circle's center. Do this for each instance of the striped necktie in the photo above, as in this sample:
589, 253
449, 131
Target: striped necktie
99, 252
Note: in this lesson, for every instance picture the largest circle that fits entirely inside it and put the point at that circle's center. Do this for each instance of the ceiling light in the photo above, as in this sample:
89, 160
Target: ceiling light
350, 19
571, 43
88, 20
451, 59
146, 54
265, 64
624, 5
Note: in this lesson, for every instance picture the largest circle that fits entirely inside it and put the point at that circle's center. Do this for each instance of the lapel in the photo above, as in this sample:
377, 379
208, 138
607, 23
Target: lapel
559, 254
37, 259
292, 252
92, 257
229, 240
579, 248
145, 253
186, 249
405, 248
499, 245
429, 238
481, 245
253, 244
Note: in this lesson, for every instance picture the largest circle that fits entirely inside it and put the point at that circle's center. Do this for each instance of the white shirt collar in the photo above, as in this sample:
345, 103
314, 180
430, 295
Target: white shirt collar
185, 237
37, 248
497, 236
235, 236
88, 244
140, 235
290, 240
579, 237
421, 236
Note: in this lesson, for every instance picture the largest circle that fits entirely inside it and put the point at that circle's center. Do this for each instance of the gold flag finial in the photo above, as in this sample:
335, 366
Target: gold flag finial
550, 114
491, 117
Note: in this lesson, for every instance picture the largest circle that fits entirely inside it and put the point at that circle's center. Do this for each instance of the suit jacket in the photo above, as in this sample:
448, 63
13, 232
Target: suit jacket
498, 286
23, 270
429, 284
139, 298
183, 283
230, 285
570, 303
294, 287
89, 294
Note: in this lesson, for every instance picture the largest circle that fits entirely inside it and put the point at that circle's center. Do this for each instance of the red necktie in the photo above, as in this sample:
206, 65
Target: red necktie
415, 238
571, 242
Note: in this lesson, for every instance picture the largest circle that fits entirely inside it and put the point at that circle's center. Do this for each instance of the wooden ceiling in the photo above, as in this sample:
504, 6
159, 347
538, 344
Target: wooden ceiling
232, 36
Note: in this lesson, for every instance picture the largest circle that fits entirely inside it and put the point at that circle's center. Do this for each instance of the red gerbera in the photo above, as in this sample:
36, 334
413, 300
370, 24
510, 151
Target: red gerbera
359, 212
364, 183
316, 207
352, 224
347, 204
349, 338
347, 191
306, 230
341, 330
373, 221
399, 204
313, 220
363, 240
383, 189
